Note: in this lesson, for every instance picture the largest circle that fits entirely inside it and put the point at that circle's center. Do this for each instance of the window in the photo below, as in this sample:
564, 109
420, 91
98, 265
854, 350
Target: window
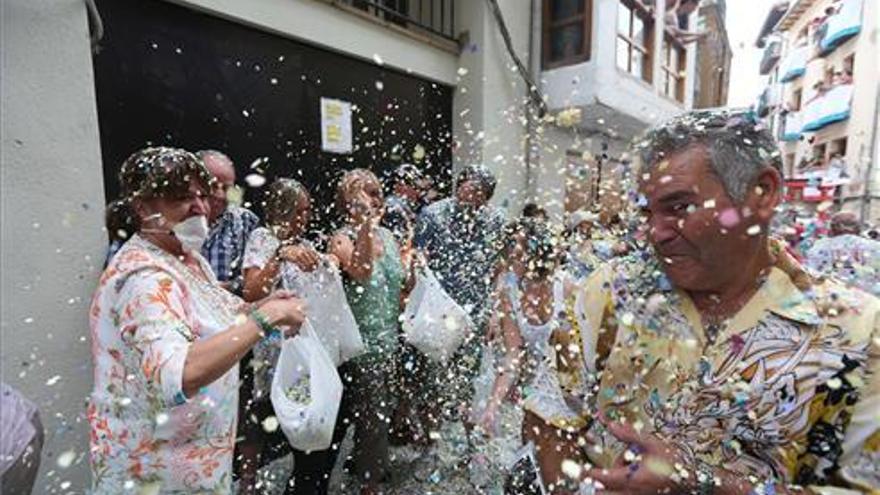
567, 30
797, 99
849, 63
635, 28
818, 158
838, 147
674, 61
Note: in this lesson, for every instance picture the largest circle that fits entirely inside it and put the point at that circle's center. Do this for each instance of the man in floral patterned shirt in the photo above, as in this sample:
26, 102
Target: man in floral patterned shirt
719, 364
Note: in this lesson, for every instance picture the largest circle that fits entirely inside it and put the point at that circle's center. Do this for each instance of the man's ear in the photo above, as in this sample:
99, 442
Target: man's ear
766, 193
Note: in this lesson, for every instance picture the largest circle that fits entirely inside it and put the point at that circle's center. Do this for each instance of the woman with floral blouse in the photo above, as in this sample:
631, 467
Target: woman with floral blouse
166, 341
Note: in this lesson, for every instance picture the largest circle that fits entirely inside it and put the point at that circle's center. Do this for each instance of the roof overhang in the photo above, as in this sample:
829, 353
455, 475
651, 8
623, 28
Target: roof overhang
776, 12
794, 14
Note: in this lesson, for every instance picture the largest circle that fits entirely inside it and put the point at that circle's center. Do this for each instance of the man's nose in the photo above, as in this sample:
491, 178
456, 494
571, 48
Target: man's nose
661, 229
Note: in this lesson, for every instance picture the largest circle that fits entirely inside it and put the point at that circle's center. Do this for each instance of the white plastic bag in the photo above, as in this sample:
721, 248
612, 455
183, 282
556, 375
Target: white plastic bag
328, 309
433, 322
306, 391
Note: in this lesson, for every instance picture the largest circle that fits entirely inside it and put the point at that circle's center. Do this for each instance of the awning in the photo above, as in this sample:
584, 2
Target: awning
791, 130
794, 65
843, 25
831, 107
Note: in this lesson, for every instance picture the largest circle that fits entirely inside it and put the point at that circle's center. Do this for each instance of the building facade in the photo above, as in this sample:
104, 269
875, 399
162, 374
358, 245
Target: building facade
609, 68
820, 57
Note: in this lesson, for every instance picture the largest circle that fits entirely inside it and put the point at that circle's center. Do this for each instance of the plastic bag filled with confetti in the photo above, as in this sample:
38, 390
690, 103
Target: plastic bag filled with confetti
329, 313
307, 420
433, 322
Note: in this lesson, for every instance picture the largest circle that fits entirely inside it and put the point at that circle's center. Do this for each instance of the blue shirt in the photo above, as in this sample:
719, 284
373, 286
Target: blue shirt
224, 248
462, 248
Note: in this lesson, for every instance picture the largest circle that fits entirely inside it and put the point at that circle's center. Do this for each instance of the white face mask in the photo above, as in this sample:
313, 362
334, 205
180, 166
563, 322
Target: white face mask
192, 233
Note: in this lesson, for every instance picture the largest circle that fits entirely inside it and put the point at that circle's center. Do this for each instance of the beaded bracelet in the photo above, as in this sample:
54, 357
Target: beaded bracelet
267, 330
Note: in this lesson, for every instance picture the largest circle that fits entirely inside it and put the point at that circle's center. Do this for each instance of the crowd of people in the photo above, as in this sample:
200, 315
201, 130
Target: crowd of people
668, 341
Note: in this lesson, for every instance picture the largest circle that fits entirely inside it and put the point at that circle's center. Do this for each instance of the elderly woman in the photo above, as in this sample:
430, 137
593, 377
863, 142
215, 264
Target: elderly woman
373, 277
166, 341
278, 257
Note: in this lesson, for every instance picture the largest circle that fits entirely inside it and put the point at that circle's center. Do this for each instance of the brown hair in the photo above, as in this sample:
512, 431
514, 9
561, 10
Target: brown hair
161, 172
346, 183
120, 220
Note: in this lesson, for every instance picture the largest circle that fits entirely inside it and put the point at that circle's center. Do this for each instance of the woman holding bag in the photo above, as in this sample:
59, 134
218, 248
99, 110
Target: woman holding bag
166, 341
277, 257
536, 323
374, 277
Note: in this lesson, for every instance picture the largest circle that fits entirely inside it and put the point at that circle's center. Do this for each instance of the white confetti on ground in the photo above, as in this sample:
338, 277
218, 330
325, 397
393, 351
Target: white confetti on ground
66, 459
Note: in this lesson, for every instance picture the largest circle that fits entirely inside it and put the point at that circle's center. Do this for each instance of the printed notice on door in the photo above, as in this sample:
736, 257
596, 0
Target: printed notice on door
336, 126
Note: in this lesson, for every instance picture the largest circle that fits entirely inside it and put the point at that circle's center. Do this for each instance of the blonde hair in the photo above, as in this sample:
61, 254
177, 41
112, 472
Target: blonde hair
346, 185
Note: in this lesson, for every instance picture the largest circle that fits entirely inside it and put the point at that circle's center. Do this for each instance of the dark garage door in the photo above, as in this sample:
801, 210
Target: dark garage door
168, 75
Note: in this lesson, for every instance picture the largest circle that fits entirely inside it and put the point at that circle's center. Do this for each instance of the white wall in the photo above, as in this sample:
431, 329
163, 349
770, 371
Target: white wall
600, 80
52, 218
489, 103
322, 24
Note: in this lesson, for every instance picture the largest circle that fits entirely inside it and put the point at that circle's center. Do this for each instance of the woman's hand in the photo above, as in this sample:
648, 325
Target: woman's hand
306, 258
286, 312
361, 206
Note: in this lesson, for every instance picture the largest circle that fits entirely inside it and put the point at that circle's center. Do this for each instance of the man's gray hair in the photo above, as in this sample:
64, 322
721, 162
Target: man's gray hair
202, 154
739, 146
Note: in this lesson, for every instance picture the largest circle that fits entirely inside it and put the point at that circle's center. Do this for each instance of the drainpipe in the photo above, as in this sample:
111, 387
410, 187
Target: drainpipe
869, 181
530, 124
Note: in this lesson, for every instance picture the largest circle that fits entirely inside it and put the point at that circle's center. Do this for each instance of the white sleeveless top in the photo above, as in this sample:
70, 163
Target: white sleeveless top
542, 392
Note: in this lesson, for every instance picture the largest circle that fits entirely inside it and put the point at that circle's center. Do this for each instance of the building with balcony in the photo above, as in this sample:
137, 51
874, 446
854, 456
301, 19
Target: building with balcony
822, 100
617, 66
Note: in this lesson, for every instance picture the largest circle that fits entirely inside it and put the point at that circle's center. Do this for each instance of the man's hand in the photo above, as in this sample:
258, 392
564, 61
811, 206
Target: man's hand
648, 467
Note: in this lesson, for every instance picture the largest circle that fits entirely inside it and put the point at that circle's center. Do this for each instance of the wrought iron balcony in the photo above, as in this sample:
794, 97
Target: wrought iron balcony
434, 17
771, 56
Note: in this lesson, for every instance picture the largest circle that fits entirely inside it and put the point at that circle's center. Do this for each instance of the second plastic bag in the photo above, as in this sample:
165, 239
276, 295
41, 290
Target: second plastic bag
328, 309
306, 391
433, 322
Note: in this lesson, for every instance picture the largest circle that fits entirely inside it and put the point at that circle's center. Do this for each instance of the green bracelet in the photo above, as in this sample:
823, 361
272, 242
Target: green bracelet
266, 328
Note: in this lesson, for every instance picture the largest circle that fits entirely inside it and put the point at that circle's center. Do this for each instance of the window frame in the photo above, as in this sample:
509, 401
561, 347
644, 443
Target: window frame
678, 73
838, 145
548, 25
849, 63
797, 96
647, 51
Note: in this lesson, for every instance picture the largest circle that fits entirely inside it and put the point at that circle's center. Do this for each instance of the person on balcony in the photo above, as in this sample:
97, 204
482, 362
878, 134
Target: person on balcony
675, 20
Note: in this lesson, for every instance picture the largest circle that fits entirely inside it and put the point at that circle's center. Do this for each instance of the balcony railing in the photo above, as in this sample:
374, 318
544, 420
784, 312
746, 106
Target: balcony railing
435, 17
844, 24
791, 128
831, 107
771, 57
795, 63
